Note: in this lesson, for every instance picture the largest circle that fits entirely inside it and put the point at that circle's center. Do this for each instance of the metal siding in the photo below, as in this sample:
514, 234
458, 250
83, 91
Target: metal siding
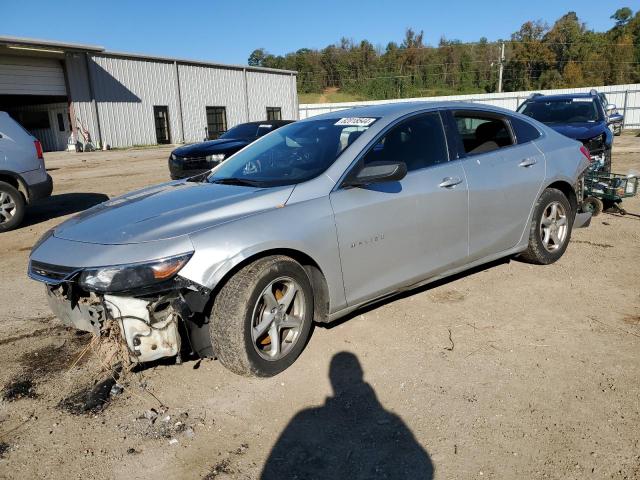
31, 76
80, 95
270, 90
126, 91
126, 88
511, 100
202, 87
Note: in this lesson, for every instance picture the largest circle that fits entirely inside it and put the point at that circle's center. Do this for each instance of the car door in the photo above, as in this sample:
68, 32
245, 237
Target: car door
397, 233
504, 179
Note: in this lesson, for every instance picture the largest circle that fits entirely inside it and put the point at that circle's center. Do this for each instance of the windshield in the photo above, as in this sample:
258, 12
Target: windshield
572, 110
246, 130
291, 154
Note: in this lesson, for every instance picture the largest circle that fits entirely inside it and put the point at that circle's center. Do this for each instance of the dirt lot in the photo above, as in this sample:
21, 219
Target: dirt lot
512, 371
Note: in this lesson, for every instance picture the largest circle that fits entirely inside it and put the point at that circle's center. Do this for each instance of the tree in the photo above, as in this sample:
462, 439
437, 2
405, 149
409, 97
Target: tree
565, 55
530, 56
257, 57
622, 16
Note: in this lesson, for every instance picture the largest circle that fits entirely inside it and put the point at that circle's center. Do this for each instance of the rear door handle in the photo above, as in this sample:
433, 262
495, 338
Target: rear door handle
528, 162
450, 182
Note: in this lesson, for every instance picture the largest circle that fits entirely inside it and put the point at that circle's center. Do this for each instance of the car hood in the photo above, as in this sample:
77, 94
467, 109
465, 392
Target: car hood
167, 211
579, 131
213, 146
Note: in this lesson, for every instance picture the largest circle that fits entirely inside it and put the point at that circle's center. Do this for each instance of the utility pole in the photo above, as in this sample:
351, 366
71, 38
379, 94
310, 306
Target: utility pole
501, 68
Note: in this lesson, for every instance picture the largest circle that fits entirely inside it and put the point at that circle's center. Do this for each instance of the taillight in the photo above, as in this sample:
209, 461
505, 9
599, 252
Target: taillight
585, 152
38, 149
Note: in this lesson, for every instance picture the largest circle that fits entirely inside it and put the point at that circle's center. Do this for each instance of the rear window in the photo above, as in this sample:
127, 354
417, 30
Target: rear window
242, 131
524, 131
482, 134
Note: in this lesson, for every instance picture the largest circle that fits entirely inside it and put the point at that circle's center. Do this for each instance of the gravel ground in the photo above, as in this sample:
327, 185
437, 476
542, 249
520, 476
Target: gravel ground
510, 371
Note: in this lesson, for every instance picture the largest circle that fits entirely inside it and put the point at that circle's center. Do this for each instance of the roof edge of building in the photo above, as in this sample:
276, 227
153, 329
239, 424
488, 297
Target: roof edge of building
188, 61
37, 42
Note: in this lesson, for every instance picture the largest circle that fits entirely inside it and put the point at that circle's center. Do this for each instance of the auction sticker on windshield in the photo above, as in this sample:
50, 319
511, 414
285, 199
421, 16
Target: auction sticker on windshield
356, 121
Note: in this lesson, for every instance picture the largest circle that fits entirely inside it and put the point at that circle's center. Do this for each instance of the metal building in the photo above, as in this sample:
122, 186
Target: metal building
69, 95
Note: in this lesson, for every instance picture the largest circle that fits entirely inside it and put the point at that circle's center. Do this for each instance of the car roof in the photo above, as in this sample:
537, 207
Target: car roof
267, 122
399, 109
560, 97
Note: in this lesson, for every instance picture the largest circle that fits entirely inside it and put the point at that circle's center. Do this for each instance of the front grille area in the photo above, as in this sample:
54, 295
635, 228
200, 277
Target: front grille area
193, 162
55, 273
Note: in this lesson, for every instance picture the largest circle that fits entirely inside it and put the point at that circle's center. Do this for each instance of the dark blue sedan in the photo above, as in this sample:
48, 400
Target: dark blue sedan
580, 116
190, 160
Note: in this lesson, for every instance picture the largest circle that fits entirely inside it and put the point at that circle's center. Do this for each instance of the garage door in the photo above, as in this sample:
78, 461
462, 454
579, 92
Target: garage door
31, 76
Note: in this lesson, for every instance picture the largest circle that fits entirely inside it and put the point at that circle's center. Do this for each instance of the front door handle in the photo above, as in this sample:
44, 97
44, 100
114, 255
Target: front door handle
528, 162
450, 182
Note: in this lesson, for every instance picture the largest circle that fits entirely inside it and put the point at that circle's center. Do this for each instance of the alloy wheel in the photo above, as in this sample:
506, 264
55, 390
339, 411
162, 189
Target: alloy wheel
7, 207
554, 226
277, 318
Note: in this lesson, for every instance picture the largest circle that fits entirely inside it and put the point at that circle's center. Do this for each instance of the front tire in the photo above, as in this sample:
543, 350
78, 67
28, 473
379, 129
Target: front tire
261, 318
550, 228
12, 207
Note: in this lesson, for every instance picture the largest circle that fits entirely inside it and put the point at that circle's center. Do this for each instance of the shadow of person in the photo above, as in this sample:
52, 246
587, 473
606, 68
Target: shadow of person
351, 436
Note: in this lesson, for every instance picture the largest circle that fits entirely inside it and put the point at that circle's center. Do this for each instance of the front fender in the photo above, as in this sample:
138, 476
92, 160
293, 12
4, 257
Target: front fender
307, 227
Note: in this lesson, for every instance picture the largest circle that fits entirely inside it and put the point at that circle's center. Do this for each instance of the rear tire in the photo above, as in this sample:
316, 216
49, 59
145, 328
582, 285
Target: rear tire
550, 228
593, 205
12, 207
266, 301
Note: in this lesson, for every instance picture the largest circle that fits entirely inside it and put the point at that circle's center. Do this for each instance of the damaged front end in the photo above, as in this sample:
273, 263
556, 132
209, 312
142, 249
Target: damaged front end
155, 309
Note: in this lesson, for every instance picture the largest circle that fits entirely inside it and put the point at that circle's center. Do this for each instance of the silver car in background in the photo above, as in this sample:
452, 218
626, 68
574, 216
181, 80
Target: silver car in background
23, 176
309, 223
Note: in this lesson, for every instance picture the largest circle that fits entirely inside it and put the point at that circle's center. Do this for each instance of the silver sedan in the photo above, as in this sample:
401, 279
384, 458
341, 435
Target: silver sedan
311, 222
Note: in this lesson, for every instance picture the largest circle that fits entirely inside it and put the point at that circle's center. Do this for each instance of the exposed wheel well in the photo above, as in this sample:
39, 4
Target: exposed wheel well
316, 277
14, 182
569, 192
10, 180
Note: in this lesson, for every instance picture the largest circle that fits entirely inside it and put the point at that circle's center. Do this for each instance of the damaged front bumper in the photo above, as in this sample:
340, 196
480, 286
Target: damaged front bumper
150, 325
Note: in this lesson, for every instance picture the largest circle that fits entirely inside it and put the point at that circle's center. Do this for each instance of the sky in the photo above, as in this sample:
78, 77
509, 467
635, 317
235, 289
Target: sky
228, 31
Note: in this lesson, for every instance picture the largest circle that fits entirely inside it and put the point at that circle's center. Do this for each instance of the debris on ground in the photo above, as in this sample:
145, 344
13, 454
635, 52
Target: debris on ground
42, 362
223, 466
4, 448
157, 424
91, 399
17, 389
117, 389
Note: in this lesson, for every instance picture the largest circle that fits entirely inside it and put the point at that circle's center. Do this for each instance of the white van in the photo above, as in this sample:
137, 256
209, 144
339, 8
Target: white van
23, 178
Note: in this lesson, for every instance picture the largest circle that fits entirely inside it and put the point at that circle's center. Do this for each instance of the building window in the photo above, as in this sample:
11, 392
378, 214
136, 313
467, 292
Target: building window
60, 122
274, 113
216, 122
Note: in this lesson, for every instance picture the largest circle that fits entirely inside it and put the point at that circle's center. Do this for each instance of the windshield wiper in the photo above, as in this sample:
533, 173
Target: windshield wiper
236, 181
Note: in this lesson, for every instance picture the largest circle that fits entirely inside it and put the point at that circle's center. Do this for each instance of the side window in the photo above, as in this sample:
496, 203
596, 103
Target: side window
418, 142
482, 134
524, 131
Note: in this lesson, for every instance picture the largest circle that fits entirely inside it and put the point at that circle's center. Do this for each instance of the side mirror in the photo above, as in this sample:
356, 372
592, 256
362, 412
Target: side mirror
377, 172
610, 108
